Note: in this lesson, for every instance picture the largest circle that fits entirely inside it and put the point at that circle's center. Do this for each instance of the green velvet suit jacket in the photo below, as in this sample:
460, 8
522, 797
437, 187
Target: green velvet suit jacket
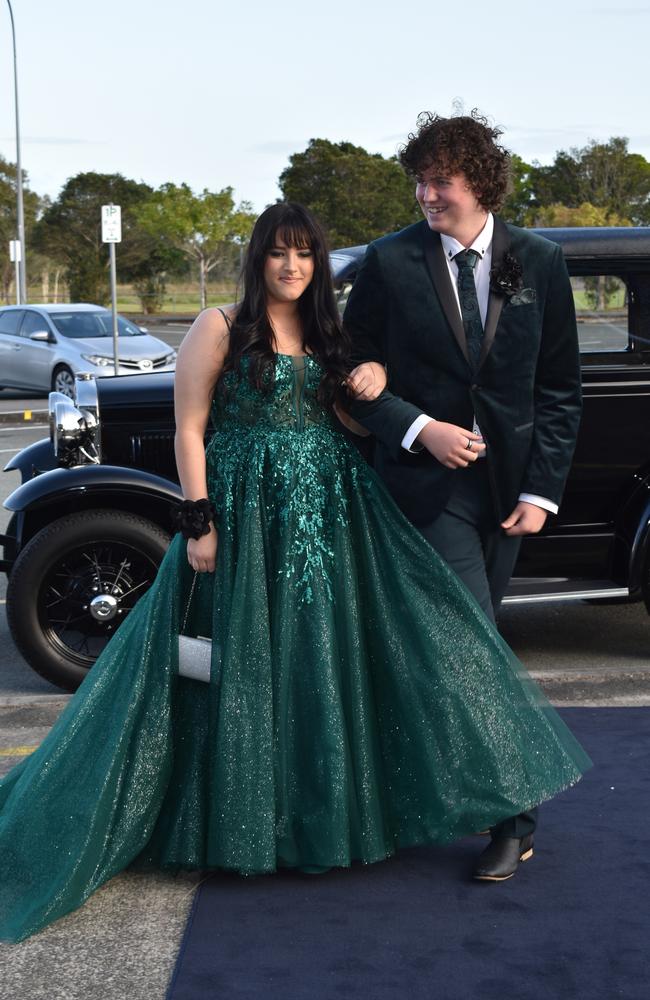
525, 394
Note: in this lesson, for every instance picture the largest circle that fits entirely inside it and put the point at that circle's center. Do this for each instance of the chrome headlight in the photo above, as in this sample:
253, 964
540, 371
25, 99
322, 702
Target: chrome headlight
101, 360
74, 426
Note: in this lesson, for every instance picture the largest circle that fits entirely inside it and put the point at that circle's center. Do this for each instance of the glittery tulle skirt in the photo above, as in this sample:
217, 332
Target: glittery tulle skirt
359, 701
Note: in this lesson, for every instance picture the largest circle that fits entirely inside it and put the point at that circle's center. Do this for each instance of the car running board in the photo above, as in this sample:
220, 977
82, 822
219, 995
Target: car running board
568, 590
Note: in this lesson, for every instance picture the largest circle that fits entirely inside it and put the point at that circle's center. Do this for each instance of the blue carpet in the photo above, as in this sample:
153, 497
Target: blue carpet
573, 923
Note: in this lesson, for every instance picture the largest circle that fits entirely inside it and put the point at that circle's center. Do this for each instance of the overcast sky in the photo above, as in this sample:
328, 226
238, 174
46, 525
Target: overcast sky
219, 94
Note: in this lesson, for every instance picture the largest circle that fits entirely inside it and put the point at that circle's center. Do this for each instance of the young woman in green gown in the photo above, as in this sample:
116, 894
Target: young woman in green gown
359, 700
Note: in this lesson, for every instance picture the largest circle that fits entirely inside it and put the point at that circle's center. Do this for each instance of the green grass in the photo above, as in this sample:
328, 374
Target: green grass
586, 302
181, 298
182, 306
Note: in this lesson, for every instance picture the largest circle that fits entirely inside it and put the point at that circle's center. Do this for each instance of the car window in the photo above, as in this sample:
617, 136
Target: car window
125, 328
602, 312
10, 321
78, 325
342, 295
32, 323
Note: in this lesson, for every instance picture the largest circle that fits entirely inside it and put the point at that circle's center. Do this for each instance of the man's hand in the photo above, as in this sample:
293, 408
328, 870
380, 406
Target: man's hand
367, 381
449, 444
526, 519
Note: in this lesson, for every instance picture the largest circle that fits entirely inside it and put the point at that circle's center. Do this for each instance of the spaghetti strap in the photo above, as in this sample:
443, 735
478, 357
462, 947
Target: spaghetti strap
227, 318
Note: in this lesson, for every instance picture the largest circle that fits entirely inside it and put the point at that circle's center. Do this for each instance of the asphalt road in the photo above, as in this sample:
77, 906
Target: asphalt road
599, 335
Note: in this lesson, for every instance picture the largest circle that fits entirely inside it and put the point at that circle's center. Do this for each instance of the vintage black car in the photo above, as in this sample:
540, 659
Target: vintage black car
90, 523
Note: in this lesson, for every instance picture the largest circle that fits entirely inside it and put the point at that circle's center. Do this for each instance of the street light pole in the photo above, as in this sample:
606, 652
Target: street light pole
22, 290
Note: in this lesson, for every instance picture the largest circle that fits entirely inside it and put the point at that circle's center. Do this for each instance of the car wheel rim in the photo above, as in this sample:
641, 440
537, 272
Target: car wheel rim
64, 382
88, 593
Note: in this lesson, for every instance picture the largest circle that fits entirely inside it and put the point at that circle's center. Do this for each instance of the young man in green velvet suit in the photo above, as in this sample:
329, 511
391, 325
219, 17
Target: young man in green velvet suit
474, 321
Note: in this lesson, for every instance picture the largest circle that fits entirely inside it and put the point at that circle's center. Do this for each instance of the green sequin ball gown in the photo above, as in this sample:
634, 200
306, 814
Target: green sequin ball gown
359, 699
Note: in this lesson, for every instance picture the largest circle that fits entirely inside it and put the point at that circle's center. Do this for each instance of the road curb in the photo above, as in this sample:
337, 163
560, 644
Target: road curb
20, 418
624, 689
28, 712
585, 691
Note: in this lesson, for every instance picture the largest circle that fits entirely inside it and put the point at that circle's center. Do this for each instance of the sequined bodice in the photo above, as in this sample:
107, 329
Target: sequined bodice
278, 452
291, 403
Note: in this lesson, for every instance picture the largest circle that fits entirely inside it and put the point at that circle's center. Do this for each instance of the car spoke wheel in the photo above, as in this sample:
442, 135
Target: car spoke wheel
87, 594
74, 584
63, 381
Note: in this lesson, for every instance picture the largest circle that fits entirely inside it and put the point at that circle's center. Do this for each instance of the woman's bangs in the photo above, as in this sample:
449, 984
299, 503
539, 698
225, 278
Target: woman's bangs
294, 235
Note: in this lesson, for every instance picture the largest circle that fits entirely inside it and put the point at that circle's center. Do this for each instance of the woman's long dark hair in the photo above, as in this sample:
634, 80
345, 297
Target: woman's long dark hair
251, 334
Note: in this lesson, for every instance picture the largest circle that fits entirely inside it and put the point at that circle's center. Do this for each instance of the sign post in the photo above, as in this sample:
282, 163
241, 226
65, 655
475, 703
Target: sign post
16, 255
112, 234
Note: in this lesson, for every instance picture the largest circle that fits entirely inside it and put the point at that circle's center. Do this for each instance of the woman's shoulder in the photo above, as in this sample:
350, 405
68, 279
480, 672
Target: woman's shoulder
210, 332
217, 318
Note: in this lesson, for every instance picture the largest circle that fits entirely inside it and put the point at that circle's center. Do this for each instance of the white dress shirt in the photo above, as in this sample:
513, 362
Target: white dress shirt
483, 247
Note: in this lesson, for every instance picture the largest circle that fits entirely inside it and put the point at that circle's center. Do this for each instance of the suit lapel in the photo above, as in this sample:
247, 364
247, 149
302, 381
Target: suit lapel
434, 256
500, 244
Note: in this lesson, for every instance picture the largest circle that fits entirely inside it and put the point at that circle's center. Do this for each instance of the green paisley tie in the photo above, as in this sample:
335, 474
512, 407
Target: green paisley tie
466, 261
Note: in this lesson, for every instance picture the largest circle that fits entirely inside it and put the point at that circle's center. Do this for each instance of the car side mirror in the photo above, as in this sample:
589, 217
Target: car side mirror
143, 329
42, 335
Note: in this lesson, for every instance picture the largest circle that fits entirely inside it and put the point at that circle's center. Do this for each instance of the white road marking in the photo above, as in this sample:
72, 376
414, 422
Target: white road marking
13, 429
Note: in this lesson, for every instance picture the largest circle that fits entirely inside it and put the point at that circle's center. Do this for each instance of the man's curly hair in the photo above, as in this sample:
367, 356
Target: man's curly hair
461, 144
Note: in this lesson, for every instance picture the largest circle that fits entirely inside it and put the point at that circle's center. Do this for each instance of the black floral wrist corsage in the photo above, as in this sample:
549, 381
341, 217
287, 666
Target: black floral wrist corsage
192, 517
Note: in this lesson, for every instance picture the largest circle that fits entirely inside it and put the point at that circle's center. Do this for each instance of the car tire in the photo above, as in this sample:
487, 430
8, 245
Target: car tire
645, 583
63, 380
8, 547
109, 557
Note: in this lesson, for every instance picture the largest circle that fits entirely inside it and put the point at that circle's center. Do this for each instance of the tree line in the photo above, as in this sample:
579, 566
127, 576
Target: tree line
358, 196
163, 231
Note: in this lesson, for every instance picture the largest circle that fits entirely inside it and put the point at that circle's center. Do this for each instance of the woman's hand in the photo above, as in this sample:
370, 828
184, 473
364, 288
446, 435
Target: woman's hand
202, 552
367, 381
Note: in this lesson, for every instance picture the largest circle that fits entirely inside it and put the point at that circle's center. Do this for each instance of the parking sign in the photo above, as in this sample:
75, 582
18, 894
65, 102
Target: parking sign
111, 224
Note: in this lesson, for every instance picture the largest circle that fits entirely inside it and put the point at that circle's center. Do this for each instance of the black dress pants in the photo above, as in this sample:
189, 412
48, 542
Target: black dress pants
469, 538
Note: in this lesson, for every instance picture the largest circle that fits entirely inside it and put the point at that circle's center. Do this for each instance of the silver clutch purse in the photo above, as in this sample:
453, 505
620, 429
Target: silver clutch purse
194, 657
194, 653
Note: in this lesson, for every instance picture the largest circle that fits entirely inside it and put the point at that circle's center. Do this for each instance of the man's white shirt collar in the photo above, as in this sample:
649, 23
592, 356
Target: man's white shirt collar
481, 244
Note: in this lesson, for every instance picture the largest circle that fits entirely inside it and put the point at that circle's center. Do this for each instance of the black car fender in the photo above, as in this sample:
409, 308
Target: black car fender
33, 460
39, 501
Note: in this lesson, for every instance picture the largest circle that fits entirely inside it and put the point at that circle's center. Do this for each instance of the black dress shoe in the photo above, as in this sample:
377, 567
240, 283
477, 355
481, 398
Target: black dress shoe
501, 858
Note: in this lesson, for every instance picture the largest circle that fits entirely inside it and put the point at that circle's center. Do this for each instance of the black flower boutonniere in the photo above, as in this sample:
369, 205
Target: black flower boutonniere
507, 279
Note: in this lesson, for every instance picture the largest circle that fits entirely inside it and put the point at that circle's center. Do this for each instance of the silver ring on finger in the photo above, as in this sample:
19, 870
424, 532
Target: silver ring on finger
468, 446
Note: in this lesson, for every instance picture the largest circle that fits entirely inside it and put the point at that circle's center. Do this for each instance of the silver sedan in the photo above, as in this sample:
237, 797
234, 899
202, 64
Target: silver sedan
43, 346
